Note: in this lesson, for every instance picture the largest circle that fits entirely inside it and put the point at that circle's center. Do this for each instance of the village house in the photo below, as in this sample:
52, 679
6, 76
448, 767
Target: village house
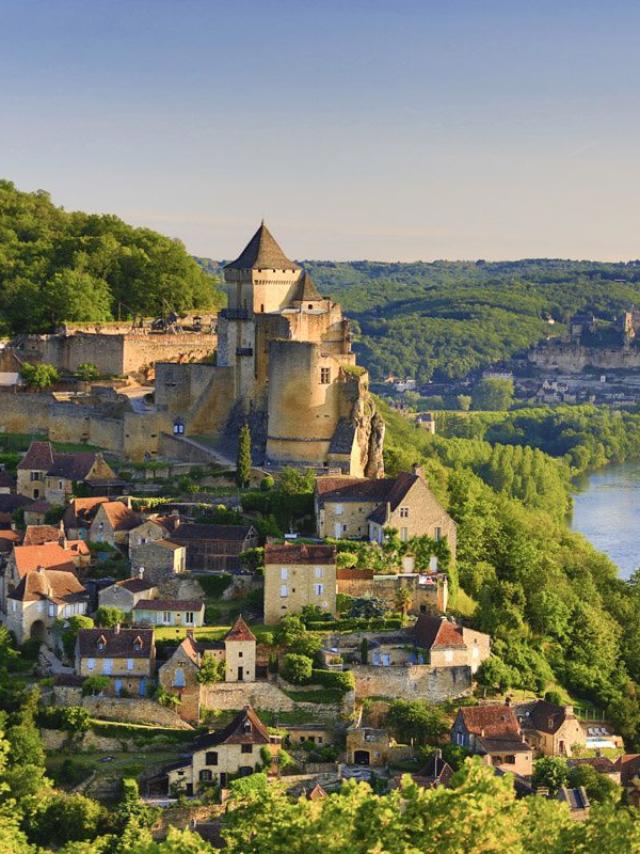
26, 559
450, 645
36, 512
179, 674
235, 750
493, 733
160, 560
126, 656
215, 547
45, 473
168, 612
550, 730
38, 535
434, 773
361, 509
79, 514
151, 530
373, 747
298, 575
112, 523
41, 598
126, 594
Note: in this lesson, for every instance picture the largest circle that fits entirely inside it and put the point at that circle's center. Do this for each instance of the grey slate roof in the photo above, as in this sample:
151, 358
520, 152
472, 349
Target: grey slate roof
262, 252
344, 434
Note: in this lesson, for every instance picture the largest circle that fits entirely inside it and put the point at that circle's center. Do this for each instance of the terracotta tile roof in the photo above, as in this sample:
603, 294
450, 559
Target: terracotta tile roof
169, 605
494, 720
629, 767
304, 554
121, 517
39, 457
240, 631
343, 488
50, 584
78, 547
8, 539
169, 523
197, 531
37, 535
134, 585
80, 511
245, 728
48, 556
437, 633
191, 649
602, 764
110, 643
262, 253
316, 794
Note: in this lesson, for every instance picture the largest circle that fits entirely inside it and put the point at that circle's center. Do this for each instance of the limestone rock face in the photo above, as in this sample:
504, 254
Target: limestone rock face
369, 435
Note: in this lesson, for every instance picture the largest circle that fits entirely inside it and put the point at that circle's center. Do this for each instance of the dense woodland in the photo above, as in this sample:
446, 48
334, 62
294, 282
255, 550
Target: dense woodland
560, 617
441, 320
57, 266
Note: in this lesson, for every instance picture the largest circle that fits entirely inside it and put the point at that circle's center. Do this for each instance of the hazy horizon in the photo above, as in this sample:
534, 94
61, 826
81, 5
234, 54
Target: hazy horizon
391, 132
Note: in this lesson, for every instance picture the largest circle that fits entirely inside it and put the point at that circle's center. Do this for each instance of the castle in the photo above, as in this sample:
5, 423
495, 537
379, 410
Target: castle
285, 365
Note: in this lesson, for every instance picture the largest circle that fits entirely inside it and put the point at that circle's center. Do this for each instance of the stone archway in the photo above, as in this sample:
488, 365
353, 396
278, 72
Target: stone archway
37, 630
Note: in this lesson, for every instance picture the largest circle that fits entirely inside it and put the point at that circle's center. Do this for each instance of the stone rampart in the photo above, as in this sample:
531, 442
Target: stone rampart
574, 359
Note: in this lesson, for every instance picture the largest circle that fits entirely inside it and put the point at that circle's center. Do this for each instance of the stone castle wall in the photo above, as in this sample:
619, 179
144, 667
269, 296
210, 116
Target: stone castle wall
574, 359
419, 681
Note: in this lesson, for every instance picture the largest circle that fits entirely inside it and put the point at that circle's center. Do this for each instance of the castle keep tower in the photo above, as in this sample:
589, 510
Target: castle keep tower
284, 363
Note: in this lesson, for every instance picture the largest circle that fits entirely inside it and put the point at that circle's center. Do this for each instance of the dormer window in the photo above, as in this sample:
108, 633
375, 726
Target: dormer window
247, 727
137, 643
101, 642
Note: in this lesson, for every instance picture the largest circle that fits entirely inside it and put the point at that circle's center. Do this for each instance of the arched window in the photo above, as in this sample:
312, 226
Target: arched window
205, 775
178, 679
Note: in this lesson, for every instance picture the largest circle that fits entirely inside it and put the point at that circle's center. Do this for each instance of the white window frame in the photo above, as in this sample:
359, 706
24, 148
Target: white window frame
318, 572
91, 664
284, 573
107, 666
284, 591
166, 618
319, 589
189, 617
129, 664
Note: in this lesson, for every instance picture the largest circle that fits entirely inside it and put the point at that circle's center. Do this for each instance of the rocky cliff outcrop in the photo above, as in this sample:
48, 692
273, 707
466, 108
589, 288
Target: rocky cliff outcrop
369, 435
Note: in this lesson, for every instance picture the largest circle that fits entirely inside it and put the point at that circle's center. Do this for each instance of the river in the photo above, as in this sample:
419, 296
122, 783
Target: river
606, 510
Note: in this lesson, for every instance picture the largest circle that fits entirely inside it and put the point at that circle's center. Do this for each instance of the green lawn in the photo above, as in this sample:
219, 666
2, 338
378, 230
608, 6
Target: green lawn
122, 764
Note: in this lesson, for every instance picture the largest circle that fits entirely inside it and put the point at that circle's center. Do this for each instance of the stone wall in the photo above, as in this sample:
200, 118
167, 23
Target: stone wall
573, 358
134, 711
419, 681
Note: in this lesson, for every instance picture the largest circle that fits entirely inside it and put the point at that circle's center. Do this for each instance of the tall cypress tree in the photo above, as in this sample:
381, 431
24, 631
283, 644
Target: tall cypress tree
243, 462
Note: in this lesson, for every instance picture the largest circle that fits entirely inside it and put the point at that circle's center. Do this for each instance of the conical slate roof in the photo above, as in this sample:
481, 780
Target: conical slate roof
306, 289
262, 252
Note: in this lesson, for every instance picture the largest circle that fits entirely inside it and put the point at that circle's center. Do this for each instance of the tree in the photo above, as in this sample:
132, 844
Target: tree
402, 599
39, 376
600, 788
107, 617
64, 818
66, 629
243, 460
87, 371
550, 772
93, 686
493, 393
415, 720
297, 669
211, 671
289, 630
364, 651
464, 402
494, 675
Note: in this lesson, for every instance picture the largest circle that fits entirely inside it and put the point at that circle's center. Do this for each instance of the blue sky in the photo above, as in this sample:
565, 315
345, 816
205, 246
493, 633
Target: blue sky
381, 130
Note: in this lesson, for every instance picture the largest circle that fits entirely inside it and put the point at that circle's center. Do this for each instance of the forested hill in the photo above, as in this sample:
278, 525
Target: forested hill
443, 319
57, 266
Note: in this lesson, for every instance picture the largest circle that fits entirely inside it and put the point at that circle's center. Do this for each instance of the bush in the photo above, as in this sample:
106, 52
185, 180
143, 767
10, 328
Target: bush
94, 685
214, 585
297, 669
70, 718
340, 680
108, 617
267, 483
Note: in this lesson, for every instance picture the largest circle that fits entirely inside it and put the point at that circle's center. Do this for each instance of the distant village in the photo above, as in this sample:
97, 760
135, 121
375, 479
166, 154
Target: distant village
140, 588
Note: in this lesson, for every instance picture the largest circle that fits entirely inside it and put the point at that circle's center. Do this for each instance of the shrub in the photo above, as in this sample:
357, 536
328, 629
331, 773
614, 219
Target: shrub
297, 669
340, 680
267, 483
214, 585
108, 617
94, 685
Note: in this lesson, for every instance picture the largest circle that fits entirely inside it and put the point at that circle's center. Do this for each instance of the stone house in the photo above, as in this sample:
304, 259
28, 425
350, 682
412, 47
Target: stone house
112, 523
41, 598
179, 674
126, 594
450, 645
218, 756
169, 612
493, 732
45, 473
151, 530
373, 747
79, 514
298, 575
357, 508
550, 730
36, 512
126, 656
27, 559
215, 547
160, 560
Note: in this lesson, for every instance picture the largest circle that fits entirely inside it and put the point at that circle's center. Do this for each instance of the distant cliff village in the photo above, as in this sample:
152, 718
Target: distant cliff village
278, 358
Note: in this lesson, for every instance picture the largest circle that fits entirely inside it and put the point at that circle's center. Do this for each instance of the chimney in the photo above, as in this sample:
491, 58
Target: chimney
387, 512
417, 471
568, 712
116, 629
40, 570
191, 634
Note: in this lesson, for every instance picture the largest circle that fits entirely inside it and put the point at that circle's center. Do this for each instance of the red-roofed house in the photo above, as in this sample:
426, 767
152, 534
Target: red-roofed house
450, 645
493, 732
41, 598
112, 523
